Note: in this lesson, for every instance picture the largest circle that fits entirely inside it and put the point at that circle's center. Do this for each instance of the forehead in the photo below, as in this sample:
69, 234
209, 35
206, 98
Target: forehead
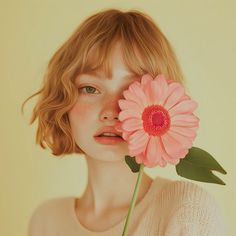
126, 74
101, 75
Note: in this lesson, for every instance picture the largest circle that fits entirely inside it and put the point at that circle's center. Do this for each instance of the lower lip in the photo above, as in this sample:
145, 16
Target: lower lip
109, 140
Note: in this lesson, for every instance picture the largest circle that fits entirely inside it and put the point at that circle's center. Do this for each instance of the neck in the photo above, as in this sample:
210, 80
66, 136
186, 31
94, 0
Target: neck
111, 186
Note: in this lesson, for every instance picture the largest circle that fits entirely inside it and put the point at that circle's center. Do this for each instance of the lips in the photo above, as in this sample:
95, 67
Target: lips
108, 140
108, 129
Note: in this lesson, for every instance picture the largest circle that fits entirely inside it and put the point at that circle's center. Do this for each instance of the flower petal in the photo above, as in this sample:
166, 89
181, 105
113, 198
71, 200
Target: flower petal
188, 132
162, 162
153, 152
137, 89
146, 79
138, 142
118, 126
154, 93
127, 104
183, 140
184, 118
132, 124
138, 137
185, 97
170, 81
125, 135
172, 146
186, 106
172, 86
185, 124
150, 91
171, 159
139, 158
126, 114
135, 152
133, 97
174, 97
160, 89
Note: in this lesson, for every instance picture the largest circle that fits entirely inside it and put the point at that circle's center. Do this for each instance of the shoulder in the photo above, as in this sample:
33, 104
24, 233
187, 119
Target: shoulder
183, 192
187, 195
180, 192
192, 209
49, 212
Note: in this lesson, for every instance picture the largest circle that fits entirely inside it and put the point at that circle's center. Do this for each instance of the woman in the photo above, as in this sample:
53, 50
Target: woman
77, 112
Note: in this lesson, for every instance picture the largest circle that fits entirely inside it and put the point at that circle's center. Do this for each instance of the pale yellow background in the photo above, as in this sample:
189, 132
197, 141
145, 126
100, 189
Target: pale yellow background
203, 35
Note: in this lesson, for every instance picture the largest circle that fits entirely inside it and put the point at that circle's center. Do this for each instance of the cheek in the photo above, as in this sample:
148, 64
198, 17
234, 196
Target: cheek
80, 112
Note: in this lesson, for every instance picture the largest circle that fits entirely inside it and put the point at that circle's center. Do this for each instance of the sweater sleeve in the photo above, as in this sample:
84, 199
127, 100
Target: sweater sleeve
195, 212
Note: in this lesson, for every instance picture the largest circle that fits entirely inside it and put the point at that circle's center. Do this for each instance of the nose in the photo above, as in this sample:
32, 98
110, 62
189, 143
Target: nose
110, 111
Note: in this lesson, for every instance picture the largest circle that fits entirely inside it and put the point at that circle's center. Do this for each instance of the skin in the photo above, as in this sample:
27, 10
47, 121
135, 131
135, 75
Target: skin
103, 203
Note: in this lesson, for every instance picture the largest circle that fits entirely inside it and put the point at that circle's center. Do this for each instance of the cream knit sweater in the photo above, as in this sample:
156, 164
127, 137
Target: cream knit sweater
169, 208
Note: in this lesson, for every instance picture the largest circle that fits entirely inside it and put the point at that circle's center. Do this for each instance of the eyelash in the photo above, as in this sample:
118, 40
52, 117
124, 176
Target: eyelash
85, 87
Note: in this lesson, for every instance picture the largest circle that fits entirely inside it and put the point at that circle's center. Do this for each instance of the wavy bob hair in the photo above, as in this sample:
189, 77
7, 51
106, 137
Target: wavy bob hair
145, 49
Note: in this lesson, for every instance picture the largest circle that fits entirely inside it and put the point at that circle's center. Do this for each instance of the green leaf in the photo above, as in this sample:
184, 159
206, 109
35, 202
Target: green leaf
198, 165
134, 166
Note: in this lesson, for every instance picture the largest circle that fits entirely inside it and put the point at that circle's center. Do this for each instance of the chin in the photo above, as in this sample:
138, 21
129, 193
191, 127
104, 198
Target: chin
109, 157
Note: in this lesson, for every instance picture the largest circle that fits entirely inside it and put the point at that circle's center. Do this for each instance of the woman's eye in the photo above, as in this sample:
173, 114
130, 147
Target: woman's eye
88, 89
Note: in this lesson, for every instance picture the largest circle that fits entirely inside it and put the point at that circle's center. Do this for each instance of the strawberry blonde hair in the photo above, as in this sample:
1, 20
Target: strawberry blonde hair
145, 50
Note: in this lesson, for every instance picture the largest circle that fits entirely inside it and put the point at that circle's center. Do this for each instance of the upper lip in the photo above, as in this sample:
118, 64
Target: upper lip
108, 129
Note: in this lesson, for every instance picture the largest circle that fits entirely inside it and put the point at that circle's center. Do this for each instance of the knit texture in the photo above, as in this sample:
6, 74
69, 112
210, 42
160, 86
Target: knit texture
169, 208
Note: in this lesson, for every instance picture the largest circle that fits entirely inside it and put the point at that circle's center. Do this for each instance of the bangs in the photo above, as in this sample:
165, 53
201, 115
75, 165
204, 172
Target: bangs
139, 48
98, 58
144, 47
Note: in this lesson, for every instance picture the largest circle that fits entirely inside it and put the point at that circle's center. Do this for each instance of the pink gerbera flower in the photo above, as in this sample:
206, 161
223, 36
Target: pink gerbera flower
157, 121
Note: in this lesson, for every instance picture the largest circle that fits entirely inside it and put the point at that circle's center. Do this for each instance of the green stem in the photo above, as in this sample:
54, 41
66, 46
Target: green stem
131, 207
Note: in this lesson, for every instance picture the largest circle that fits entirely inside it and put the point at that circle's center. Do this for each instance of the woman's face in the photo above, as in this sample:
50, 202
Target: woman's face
96, 111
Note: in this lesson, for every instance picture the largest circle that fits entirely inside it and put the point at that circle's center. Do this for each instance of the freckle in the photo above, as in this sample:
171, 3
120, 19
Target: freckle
82, 110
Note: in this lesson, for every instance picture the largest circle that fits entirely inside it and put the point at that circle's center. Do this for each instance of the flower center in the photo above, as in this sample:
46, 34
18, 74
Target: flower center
156, 120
